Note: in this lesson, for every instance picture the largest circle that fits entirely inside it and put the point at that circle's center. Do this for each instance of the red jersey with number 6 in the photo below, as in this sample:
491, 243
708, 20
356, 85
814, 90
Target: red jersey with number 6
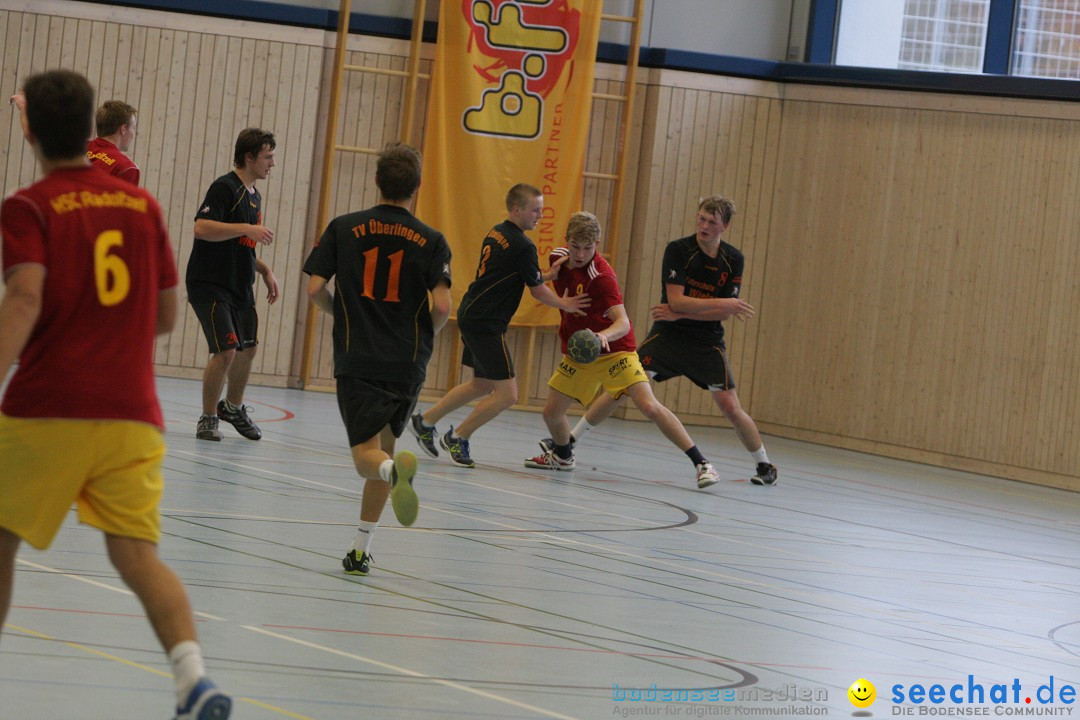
107, 257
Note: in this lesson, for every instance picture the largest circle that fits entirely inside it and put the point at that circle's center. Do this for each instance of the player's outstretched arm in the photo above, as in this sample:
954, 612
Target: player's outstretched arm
19, 311
573, 305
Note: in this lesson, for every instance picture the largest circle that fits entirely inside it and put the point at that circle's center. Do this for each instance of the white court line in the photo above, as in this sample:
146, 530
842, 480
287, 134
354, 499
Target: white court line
98, 584
412, 673
810, 596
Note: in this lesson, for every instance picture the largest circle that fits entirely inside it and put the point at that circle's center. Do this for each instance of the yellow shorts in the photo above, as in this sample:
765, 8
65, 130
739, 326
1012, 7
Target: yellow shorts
110, 469
614, 372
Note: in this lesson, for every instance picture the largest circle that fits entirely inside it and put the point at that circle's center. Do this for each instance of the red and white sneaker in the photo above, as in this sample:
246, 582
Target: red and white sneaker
550, 461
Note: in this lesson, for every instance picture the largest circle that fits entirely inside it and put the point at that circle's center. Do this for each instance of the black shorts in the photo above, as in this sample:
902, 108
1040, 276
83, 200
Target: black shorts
486, 353
226, 326
665, 355
367, 406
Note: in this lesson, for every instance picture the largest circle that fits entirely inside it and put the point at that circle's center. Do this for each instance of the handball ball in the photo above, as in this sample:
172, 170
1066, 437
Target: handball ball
583, 347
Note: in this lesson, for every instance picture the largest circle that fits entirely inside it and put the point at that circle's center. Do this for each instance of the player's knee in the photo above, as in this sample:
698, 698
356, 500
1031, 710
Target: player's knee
508, 394
728, 402
225, 357
651, 408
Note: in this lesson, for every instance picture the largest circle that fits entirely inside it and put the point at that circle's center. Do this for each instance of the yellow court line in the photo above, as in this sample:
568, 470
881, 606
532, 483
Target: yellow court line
92, 651
147, 668
274, 708
413, 673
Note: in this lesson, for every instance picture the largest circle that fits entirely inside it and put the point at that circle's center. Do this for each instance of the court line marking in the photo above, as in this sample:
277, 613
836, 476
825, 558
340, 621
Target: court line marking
811, 595
99, 584
412, 673
140, 666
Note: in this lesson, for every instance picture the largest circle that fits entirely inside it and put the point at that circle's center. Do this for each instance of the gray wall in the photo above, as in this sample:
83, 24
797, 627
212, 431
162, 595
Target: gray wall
765, 29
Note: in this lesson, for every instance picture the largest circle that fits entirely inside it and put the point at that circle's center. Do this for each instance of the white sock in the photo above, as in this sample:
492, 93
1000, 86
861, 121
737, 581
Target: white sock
581, 429
187, 667
385, 468
760, 455
364, 533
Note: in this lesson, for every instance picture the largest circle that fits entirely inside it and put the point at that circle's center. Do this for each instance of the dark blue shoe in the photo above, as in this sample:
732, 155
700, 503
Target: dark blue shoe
205, 702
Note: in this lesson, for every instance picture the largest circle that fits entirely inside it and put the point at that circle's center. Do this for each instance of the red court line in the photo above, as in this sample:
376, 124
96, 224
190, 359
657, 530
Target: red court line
285, 414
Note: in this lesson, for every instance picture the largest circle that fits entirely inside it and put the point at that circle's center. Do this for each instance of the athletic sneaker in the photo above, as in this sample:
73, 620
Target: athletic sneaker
458, 449
425, 434
205, 702
550, 461
207, 429
766, 474
402, 496
238, 417
356, 565
548, 445
706, 475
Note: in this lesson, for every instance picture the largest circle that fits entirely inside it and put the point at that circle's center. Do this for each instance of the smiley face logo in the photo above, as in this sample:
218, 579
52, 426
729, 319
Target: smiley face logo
862, 693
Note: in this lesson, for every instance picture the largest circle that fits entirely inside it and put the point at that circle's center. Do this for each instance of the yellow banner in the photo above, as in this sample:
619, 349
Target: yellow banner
510, 102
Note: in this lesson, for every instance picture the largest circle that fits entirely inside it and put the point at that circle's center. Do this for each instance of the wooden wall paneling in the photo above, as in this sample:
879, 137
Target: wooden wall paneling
13, 29
788, 315
754, 241
1032, 362
281, 184
987, 252
149, 143
1045, 305
301, 139
56, 34
195, 87
175, 131
75, 54
924, 308
1056, 303
1023, 255
316, 103
98, 63
120, 39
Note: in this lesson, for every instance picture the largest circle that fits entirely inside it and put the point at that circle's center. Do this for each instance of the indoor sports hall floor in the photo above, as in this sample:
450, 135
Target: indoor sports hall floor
523, 594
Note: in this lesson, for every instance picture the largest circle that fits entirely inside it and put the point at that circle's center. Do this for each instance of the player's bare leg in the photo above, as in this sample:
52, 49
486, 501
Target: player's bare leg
555, 416
747, 430
744, 425
217, 369
158, 588
644, 400
559, 456
501, 395
238, 373
642, 395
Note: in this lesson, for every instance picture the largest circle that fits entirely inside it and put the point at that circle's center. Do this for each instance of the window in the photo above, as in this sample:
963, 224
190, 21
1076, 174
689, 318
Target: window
1047, 40
937, 35
943, 35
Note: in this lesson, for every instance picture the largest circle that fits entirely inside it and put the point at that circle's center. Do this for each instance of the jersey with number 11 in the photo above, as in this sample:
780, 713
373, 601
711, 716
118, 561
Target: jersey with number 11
384, 262
107, 257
